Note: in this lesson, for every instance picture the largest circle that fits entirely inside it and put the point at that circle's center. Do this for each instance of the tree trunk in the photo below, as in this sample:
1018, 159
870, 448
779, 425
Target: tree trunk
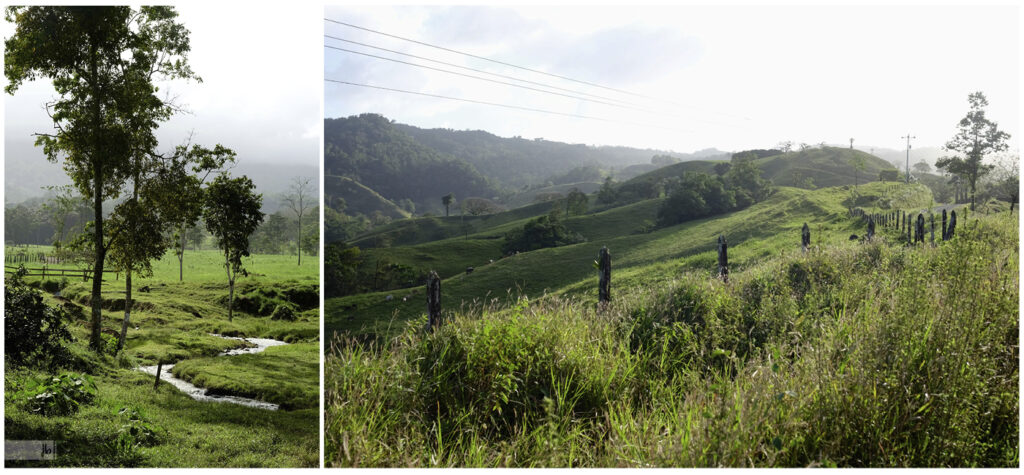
95, 340
298, 244
181, 255
127, 309
231, 284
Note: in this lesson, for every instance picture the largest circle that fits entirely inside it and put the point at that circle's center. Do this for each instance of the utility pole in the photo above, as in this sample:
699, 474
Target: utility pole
908, 137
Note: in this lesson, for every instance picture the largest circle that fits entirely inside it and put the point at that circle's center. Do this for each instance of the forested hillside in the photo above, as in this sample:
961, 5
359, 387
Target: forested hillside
371, 151
403, 162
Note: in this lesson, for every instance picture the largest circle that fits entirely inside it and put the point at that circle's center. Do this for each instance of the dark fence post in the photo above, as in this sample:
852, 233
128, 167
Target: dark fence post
944, 225
952, 225
920, 228
805, 237
723, 259
932, 216
159, 367
433, 301
604, 267
871, 229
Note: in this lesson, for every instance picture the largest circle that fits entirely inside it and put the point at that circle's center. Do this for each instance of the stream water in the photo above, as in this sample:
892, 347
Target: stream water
200, 394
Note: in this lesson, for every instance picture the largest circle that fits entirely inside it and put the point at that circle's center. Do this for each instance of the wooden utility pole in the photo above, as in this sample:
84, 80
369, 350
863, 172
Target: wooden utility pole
908, 137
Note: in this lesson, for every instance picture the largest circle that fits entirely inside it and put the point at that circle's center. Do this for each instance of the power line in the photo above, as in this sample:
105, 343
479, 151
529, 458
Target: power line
490, 80
508, 106
489, 59
624, 106
513, 78
524, 68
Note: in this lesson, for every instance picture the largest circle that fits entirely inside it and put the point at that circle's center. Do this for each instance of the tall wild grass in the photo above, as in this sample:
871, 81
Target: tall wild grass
874, 355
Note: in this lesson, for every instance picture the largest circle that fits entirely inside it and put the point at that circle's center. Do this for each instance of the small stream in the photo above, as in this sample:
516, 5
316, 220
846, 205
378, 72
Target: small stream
199, 394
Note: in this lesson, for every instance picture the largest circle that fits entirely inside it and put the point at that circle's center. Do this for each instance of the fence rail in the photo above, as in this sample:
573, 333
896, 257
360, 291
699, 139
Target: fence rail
51, 272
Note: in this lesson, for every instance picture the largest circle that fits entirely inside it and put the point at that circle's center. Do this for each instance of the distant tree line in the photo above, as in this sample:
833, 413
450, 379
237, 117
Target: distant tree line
545, 231
697, 195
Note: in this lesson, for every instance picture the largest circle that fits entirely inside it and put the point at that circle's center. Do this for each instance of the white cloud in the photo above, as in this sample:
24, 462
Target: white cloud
741, 76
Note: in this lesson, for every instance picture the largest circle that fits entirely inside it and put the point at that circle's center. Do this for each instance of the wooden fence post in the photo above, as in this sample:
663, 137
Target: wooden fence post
952, 225
159, 367
604, 267
932, 216
723, 259
920, 228
943, 225
433, 301
805, 237
871, 229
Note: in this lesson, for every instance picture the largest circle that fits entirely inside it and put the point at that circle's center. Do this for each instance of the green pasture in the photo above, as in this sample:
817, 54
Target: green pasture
175, 322
763, 230
854, 354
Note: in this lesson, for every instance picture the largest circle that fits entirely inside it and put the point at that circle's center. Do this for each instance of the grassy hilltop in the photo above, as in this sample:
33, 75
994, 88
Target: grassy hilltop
853, 354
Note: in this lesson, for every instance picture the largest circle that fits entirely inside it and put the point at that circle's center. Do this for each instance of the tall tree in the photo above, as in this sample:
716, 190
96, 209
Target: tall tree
60, 207
575, 202
162, 194
232, 213
187, 170
447, 201
976, 137
299, 202
859, 164
103, 62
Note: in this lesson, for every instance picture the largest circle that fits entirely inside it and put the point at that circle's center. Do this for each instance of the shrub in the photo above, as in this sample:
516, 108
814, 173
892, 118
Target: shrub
58, 395
34, 333
283, 312
136, 430
545, 231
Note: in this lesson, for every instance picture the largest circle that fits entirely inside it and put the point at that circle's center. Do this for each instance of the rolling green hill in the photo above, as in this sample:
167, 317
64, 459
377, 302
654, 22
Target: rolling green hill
762, 230
359, 197
855, 353
526, 197
828, 166
370, 150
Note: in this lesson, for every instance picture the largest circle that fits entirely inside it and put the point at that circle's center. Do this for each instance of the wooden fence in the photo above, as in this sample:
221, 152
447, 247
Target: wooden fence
45, 272
911, 229
907, 226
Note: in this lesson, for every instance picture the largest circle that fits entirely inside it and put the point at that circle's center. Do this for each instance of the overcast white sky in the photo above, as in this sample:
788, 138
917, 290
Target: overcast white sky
739, 77
261, 91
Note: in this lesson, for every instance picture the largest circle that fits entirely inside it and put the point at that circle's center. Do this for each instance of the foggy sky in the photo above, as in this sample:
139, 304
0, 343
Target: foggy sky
729, 77
261, 91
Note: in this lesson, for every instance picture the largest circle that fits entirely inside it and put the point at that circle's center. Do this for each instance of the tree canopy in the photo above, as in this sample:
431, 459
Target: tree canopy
976, 137
102, 62
231, 211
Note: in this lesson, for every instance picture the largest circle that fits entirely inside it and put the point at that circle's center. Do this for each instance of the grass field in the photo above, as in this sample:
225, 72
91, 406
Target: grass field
760, 231
853, 354
173, 322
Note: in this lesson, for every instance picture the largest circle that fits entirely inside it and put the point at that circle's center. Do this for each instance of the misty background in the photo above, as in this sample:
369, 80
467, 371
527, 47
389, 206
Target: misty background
260, 96
725, 77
